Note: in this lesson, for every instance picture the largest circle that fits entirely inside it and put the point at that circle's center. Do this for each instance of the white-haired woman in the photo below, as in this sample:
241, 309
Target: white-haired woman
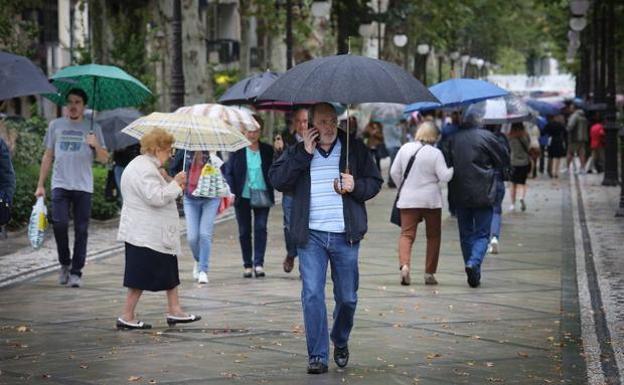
149, 226
420, 197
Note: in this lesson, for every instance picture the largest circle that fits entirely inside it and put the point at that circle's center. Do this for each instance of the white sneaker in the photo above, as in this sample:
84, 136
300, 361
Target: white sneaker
202, 277
512, 208
195, 270
493, 249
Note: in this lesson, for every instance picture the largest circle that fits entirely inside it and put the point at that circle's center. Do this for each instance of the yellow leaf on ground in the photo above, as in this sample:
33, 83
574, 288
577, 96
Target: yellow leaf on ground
134, 378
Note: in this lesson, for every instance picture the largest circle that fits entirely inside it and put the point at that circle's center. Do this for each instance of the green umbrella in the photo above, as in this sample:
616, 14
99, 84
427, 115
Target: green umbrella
107, 87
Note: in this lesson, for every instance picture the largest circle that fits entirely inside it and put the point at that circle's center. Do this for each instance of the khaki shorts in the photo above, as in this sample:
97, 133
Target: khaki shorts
577, 148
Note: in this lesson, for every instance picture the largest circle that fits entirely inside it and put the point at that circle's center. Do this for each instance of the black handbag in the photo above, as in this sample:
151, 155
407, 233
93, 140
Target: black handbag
259, 199
110, 190
395, 215
5, 211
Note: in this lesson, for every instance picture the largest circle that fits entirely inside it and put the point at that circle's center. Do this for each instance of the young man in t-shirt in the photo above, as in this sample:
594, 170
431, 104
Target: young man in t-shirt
71, 146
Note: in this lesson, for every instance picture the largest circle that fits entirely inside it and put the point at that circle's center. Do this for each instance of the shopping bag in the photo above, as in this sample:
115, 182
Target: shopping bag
38, 223
211, 183
226, 203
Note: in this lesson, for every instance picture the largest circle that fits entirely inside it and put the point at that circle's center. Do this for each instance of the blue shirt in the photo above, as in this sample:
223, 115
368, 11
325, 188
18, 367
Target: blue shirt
326, 212
255, 179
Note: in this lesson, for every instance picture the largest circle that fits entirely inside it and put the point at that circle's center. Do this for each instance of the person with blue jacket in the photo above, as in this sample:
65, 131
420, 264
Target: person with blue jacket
327, 226
247, 172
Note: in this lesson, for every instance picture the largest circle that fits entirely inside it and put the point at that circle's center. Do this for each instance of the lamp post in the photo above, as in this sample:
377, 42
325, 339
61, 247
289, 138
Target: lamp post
423, 51
464, 60
177, 71
473, 62
400, 41
608, 78
480, 63
454, 56
440, 61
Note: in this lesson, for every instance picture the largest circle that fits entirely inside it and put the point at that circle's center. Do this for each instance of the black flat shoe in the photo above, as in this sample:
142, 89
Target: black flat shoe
122, 324
474, 278
172, 320
341, 356
316, 367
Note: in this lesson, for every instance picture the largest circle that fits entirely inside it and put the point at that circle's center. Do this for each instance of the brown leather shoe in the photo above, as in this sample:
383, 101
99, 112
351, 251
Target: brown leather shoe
288, 264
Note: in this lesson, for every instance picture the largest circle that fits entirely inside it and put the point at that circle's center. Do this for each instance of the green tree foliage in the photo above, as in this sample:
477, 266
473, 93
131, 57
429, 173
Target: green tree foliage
17, 28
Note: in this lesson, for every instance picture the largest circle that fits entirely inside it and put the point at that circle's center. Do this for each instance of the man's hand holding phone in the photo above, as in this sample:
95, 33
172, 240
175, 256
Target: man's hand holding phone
310, 139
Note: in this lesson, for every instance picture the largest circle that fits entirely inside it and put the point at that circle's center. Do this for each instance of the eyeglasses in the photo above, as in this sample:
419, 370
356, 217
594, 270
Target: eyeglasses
326, 122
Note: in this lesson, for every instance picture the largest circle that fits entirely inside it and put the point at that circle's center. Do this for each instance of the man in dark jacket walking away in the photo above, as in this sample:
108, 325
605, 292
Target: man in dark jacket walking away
476, 155
327, 227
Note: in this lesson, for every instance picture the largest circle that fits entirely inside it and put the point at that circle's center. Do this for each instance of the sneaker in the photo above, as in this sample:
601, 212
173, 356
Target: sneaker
522, 205
493, 248
430, 279
259, 272
202, 277
64, 275
315, 366
247, 272
195, 270
512, 208
341, 356
405, 275
74, 281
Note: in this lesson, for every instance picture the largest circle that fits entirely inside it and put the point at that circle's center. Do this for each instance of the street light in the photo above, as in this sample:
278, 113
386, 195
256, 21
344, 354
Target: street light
321, 9
464, 60
578, 23
579, 7
400, 41
423, 50
454, 56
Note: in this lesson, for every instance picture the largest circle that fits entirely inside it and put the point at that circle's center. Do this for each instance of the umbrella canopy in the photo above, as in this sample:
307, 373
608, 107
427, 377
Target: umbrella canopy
112, 122
237, 118
247, 90
385, 113
545, 108
347, 79
507, 109
191, 132
459, 92
107, 87
20, 77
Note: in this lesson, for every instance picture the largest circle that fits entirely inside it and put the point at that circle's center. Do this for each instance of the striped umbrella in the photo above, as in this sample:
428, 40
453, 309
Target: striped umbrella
239, 118
191, 132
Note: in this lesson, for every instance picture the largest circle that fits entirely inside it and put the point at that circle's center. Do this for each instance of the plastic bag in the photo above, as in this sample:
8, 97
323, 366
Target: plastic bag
211, 183
38, 223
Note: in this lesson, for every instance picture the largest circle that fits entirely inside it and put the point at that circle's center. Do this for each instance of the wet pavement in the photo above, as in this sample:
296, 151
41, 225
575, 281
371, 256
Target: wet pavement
522, 326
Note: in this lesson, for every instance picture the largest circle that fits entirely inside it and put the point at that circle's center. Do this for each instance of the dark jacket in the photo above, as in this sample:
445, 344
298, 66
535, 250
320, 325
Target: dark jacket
235, 170
476, 155
291, 172
7, 174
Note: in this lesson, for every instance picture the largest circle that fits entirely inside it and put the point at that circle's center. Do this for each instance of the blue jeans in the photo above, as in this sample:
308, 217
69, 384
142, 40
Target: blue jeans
498, 209
324, 247
200, 214
474, 233
243, 216
80, 202
291, 245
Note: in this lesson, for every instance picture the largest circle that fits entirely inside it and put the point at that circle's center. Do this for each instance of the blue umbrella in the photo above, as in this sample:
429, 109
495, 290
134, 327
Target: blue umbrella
459, 92
247, 90
544, 108
20, 77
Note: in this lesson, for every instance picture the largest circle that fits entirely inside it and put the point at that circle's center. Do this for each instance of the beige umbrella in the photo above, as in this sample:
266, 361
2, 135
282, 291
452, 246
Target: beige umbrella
191, 132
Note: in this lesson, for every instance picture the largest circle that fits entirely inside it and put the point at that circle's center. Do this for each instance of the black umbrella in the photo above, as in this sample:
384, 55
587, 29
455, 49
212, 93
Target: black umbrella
247, 90
20, 77
348, 79
112, 122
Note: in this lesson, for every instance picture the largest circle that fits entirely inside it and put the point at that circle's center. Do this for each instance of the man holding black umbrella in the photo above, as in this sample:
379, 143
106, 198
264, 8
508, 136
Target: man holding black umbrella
327, 226
71, 146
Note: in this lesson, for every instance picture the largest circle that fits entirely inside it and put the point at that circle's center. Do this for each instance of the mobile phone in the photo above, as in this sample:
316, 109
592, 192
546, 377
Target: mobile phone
311, 127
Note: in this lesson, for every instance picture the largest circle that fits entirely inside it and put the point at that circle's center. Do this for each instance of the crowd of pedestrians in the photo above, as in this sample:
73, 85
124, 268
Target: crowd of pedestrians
324, 213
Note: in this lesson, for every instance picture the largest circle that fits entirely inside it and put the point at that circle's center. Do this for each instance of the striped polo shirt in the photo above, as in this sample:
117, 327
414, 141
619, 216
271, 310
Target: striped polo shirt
325, 204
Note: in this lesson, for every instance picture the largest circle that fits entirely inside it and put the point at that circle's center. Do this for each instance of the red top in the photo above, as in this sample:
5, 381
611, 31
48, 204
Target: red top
597, 136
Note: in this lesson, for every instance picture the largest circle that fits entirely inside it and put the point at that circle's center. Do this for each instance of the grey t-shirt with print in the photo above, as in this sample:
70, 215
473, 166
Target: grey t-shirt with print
73, 157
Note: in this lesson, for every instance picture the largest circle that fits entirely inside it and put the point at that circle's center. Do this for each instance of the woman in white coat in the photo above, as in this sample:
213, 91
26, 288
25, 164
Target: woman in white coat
420, 197
149, 226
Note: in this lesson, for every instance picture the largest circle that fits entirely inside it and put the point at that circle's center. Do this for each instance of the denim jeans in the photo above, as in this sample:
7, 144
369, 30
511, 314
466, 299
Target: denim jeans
200, 214
80, 202
323, 248
495, 229
474, 233
291, 245
243, 216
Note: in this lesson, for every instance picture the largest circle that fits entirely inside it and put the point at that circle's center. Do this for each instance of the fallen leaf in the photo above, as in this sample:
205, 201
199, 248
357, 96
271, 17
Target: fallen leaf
523, 354
22, 329
433, 355
151, 382
495, 379
84, 366
489, 364
134, 378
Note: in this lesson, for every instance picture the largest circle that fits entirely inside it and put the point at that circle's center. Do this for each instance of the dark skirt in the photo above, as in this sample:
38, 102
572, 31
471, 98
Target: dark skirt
148, 269
519, 174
